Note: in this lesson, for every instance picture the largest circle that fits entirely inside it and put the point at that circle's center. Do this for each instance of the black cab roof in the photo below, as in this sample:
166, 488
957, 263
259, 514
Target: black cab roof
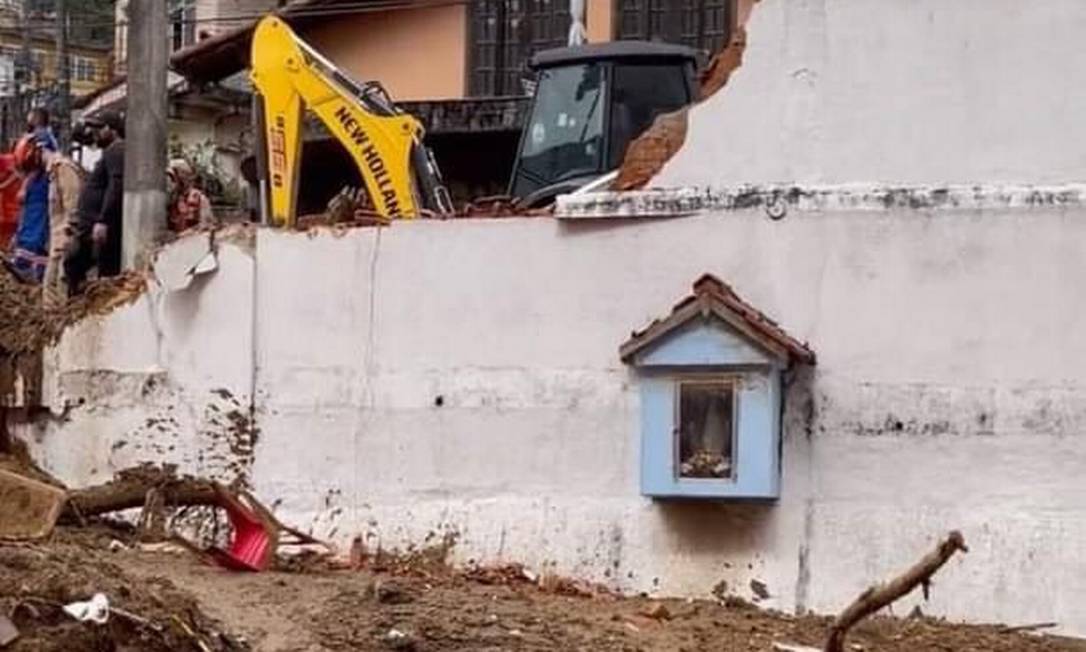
613, 50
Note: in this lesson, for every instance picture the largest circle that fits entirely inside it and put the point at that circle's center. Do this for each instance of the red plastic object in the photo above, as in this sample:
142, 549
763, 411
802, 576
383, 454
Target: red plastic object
252, 543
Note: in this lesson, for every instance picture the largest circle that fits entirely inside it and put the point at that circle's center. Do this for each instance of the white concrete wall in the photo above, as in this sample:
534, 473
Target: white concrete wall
949, 394
883, 91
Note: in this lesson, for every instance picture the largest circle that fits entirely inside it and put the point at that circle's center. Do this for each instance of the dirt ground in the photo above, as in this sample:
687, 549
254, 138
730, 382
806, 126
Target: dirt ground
406, 606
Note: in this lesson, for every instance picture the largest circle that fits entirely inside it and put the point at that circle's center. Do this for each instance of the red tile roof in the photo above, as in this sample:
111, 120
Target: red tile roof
714, 297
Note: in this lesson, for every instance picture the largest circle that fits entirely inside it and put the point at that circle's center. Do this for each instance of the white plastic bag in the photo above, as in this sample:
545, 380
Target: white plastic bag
95, 610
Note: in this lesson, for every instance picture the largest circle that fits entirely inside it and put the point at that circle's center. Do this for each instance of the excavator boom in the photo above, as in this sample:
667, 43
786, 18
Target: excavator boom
385, 143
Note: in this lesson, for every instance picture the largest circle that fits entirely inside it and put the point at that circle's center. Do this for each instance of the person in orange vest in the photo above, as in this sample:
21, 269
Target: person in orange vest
10, 185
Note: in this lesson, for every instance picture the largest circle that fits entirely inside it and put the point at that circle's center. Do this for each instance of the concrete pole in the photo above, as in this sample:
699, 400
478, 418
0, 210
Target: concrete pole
146, 130
64, 77
23, 92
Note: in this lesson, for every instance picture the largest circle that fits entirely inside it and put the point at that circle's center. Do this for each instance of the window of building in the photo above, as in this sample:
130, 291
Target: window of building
182, 23
705, 429
504, 34
700, 24
82, 69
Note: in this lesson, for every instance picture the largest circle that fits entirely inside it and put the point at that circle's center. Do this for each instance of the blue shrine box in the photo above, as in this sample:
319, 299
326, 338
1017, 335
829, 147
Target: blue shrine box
711, 397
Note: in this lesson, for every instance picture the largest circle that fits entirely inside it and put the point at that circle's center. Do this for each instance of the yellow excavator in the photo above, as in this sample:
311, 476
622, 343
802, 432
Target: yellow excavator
398, 170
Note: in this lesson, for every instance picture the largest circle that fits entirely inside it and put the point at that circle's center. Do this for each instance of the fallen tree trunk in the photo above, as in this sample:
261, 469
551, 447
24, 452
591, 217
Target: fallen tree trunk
129, 490
881, 595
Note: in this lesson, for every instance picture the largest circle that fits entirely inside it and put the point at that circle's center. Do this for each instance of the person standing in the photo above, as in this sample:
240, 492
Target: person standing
65, 186
37, 124
32, 235
11, 184
189, 206
97, 241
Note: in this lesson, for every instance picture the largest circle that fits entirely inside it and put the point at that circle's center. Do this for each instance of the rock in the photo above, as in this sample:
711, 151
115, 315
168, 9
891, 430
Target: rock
398, 640
792, 647
389, 592
760, 590
659, 611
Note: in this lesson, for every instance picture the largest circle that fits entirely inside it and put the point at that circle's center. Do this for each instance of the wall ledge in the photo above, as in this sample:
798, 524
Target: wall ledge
778, 200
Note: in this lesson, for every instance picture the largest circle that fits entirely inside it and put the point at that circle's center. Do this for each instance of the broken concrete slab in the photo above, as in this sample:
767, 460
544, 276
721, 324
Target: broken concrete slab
28, 508
177, 263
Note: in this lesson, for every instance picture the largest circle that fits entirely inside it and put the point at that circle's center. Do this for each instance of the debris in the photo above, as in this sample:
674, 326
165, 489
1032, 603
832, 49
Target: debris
658, 611
1028, 628
760, 590
879, 596
791, 647
128, 490
28, 508
720, 590
389, 592
95, 610
26, 326
116, 546
176, 265
163, 546
398, 640
358, 553
8, 631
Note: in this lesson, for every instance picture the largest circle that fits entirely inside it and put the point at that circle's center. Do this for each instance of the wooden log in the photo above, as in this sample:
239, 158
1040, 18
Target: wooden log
881, 595
129, 491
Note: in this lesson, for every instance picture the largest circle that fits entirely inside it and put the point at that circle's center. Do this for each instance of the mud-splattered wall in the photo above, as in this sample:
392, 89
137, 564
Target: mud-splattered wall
462, 379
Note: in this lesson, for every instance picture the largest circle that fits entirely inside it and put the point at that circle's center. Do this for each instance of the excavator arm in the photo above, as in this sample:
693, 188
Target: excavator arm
385, 143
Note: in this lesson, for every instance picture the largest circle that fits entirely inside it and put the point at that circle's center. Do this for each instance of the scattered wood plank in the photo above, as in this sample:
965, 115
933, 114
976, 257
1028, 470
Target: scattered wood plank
881, 595
28, 508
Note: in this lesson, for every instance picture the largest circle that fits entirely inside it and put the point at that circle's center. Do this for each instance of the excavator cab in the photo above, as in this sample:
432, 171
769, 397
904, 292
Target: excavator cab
589, 102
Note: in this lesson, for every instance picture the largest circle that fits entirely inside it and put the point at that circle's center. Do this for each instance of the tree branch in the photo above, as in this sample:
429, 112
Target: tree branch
881, 595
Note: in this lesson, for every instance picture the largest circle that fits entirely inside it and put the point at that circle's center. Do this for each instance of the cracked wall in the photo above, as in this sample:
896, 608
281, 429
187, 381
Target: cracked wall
411, 385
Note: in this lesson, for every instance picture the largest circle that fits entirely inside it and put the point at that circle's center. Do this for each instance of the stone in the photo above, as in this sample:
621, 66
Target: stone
659, 611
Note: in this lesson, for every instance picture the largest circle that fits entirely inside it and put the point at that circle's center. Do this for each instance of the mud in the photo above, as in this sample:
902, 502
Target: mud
26, 326
422, 605
37, 579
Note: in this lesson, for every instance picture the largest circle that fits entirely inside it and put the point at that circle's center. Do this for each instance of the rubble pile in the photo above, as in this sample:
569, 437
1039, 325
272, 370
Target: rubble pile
26, 326
38, 580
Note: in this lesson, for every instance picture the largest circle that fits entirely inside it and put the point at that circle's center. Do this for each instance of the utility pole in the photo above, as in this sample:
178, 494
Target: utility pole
64, 76
145, 127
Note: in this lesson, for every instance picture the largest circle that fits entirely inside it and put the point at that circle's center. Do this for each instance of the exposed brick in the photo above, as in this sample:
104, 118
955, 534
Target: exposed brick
648, 153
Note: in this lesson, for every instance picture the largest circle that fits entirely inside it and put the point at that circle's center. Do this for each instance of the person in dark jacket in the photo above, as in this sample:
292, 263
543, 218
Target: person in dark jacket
98, 238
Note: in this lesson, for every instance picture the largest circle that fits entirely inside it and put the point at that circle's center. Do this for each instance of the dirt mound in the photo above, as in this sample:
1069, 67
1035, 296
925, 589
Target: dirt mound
36, 580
